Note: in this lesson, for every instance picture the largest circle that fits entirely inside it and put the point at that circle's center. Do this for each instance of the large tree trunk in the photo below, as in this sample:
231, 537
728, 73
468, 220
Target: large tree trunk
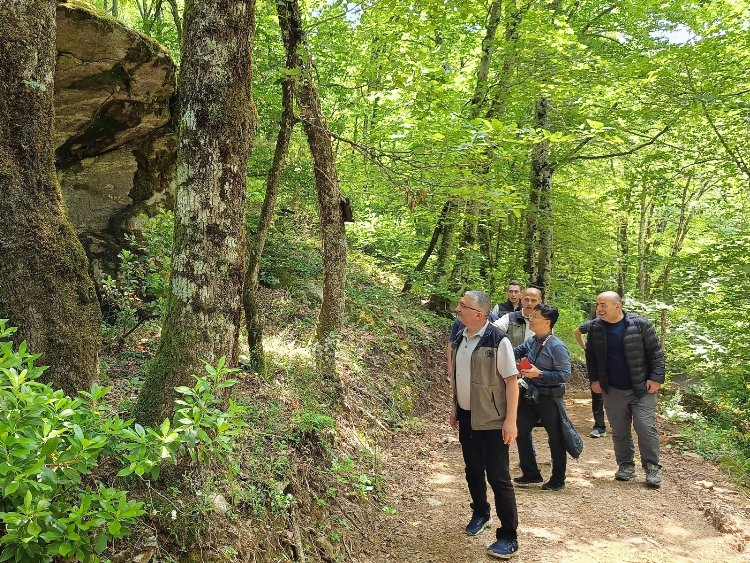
538, 263
253, 319
318, 135
45, 287
217, 122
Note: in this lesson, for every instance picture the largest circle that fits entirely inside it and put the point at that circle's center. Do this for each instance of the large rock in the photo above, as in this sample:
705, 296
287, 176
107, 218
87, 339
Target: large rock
114, 129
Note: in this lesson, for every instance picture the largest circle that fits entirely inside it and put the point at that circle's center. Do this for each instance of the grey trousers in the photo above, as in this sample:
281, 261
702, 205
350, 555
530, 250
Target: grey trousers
625, 408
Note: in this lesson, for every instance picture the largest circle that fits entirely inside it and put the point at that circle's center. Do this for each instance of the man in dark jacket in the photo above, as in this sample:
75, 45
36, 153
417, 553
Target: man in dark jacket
514, 300
625, 363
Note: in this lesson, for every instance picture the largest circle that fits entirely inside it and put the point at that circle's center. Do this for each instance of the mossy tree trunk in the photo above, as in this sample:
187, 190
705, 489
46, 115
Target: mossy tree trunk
253, 320
333, 234
538, 262
217, 122
45, 287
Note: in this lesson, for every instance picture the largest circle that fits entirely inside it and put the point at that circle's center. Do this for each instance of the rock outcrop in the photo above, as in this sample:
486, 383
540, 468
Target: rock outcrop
114, 131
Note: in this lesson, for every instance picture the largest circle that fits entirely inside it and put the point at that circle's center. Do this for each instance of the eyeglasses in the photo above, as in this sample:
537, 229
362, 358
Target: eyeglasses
465, 306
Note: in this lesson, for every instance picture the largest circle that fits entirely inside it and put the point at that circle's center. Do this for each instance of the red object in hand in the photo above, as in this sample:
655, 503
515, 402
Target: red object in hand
524, 364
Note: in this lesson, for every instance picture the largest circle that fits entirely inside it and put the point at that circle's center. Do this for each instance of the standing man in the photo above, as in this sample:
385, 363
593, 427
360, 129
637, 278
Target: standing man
599, 430
485, 402
516, 324
625, 363
514, 300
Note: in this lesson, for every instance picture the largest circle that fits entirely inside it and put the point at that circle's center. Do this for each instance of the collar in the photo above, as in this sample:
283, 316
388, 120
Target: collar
480, 333
545, 337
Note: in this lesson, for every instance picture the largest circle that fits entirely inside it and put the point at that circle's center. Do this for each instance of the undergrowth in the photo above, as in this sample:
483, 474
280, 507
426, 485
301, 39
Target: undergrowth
303, 475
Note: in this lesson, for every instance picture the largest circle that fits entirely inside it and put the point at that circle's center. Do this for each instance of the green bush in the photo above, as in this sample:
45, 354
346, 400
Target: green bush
53, 449
142, 283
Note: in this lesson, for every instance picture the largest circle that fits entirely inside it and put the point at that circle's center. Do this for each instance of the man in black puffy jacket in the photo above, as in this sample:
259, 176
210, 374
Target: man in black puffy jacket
625, 363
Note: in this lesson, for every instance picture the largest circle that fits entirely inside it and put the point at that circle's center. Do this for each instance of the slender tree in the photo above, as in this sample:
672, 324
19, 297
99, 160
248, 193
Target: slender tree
217, 122
253, 319
318, 135
45, 287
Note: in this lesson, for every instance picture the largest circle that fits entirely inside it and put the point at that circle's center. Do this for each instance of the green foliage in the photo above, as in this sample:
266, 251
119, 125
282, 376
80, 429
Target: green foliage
344, 472
142, 284
53, 449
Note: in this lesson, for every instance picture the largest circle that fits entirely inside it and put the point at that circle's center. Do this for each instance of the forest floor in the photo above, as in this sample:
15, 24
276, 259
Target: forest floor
697, 515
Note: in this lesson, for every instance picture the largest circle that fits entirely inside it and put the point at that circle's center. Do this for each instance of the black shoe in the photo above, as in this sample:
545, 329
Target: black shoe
625, 472
653, 475
523, 480
553, 485
477, 523
503, 548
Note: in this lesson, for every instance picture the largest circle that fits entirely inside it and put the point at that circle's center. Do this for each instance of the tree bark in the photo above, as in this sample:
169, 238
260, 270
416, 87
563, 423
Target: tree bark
488, 47
645, 244
217, 122
253, 319
314, 123
466, 251
622, 243
438, 299
45, 287
538, 262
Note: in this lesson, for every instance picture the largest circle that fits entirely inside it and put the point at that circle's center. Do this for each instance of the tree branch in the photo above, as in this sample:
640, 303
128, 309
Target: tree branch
636, 148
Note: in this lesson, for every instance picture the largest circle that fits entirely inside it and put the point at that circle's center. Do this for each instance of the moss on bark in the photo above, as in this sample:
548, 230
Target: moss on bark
217, 122
45, 288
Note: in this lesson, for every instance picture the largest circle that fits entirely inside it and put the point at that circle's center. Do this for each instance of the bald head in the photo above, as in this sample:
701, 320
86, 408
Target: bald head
531, 298
609, 307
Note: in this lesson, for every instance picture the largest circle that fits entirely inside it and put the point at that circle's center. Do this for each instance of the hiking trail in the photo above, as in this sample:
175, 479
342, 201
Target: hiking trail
697, 515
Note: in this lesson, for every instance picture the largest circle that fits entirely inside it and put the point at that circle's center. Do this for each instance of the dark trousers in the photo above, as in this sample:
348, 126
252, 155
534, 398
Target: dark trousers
597, 409
528, 415
486, 454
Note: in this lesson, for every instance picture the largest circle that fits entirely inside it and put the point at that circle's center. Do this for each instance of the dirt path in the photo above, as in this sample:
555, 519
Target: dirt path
594, 519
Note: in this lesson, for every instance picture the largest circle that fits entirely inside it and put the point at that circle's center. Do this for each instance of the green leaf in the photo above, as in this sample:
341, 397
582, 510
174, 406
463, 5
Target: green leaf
101, 543
65, 548
33, 528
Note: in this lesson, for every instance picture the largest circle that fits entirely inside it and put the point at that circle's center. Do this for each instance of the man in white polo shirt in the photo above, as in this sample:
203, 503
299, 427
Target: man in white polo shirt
485, 403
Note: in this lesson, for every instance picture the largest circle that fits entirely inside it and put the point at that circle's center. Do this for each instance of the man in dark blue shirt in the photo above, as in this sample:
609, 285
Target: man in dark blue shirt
625, 363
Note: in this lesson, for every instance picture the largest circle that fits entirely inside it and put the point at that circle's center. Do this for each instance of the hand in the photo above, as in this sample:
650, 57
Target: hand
532, 373
454, 421
652, 386
510, 431
596, 387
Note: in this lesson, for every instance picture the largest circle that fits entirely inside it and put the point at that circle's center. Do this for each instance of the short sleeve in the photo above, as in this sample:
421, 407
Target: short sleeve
502, 322
506, 361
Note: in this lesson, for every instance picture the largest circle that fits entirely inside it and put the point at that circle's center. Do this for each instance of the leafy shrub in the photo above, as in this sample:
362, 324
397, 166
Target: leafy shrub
142, 283
53, 449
